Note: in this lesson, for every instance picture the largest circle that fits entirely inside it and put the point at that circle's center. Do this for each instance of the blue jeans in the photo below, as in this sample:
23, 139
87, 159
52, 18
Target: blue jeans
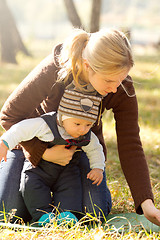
10, 197
10, 174
96, 199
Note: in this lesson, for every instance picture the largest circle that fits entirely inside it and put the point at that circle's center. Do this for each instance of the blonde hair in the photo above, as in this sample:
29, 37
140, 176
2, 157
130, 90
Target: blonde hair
107, 51
70, 58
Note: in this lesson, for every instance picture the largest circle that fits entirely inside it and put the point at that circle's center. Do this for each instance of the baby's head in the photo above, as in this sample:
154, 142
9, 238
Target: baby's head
76, 127
78, 112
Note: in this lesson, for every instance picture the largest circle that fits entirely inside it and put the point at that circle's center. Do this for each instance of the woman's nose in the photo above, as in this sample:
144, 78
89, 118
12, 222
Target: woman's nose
114, 89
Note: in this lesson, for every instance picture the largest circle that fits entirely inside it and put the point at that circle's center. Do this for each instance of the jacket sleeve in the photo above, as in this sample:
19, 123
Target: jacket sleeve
27, 129
24, 103
130, 149
94, 152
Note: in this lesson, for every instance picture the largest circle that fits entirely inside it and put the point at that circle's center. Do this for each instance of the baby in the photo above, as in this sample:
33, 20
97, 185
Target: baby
70, 126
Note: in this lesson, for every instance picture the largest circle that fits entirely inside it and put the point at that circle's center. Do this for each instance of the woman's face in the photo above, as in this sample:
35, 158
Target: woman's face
104, 84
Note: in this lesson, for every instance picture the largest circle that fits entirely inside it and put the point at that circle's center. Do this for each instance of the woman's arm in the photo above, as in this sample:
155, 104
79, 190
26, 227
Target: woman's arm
131, 152
130, 148
27, 99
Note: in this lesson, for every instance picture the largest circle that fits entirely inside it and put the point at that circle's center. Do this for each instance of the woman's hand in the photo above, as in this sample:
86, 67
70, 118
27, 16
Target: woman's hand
59, 154
96, 175
151, 212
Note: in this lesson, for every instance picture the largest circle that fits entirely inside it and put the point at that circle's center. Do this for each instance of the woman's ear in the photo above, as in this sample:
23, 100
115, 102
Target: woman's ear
86, 64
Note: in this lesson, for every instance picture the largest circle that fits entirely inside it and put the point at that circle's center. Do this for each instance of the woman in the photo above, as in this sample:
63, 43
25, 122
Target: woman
98, 62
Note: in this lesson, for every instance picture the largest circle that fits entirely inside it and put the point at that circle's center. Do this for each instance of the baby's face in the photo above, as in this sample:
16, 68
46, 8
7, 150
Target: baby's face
77, 127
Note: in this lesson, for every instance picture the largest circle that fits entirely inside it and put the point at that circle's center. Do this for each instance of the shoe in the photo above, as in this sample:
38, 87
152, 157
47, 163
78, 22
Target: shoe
45, 218
66, 217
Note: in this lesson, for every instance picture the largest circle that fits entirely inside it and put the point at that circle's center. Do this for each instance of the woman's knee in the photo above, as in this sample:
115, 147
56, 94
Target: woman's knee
10, 174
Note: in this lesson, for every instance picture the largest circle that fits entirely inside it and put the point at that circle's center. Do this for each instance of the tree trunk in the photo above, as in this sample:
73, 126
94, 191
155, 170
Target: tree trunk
72, 14
10, 39
75, 19
95, 15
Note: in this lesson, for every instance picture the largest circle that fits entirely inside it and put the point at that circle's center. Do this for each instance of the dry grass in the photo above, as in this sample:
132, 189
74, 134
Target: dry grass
78, 231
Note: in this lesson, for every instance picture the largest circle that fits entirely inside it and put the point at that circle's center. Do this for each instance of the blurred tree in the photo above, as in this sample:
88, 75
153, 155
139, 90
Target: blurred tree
10, 38
73, 14
75, 19
95, 15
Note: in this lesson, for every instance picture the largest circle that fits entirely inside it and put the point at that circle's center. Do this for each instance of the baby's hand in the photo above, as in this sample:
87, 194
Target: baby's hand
3, 151
96, 175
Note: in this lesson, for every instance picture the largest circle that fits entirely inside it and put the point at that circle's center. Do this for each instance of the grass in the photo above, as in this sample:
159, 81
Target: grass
146, 75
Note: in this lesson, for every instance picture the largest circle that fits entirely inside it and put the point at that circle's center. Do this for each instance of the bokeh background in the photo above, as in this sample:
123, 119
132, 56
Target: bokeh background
49, 20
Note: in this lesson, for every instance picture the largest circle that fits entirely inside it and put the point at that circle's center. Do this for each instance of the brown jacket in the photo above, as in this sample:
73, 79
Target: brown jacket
38, 94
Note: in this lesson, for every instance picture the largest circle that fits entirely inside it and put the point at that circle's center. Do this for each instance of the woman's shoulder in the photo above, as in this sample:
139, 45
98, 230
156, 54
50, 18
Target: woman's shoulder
127, 87
50, 62
55, 53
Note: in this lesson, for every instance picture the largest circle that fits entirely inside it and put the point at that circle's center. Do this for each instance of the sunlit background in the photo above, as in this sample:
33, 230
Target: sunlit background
47, 19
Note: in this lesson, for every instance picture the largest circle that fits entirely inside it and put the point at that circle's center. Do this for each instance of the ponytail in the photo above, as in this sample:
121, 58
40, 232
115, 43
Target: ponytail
70, 58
